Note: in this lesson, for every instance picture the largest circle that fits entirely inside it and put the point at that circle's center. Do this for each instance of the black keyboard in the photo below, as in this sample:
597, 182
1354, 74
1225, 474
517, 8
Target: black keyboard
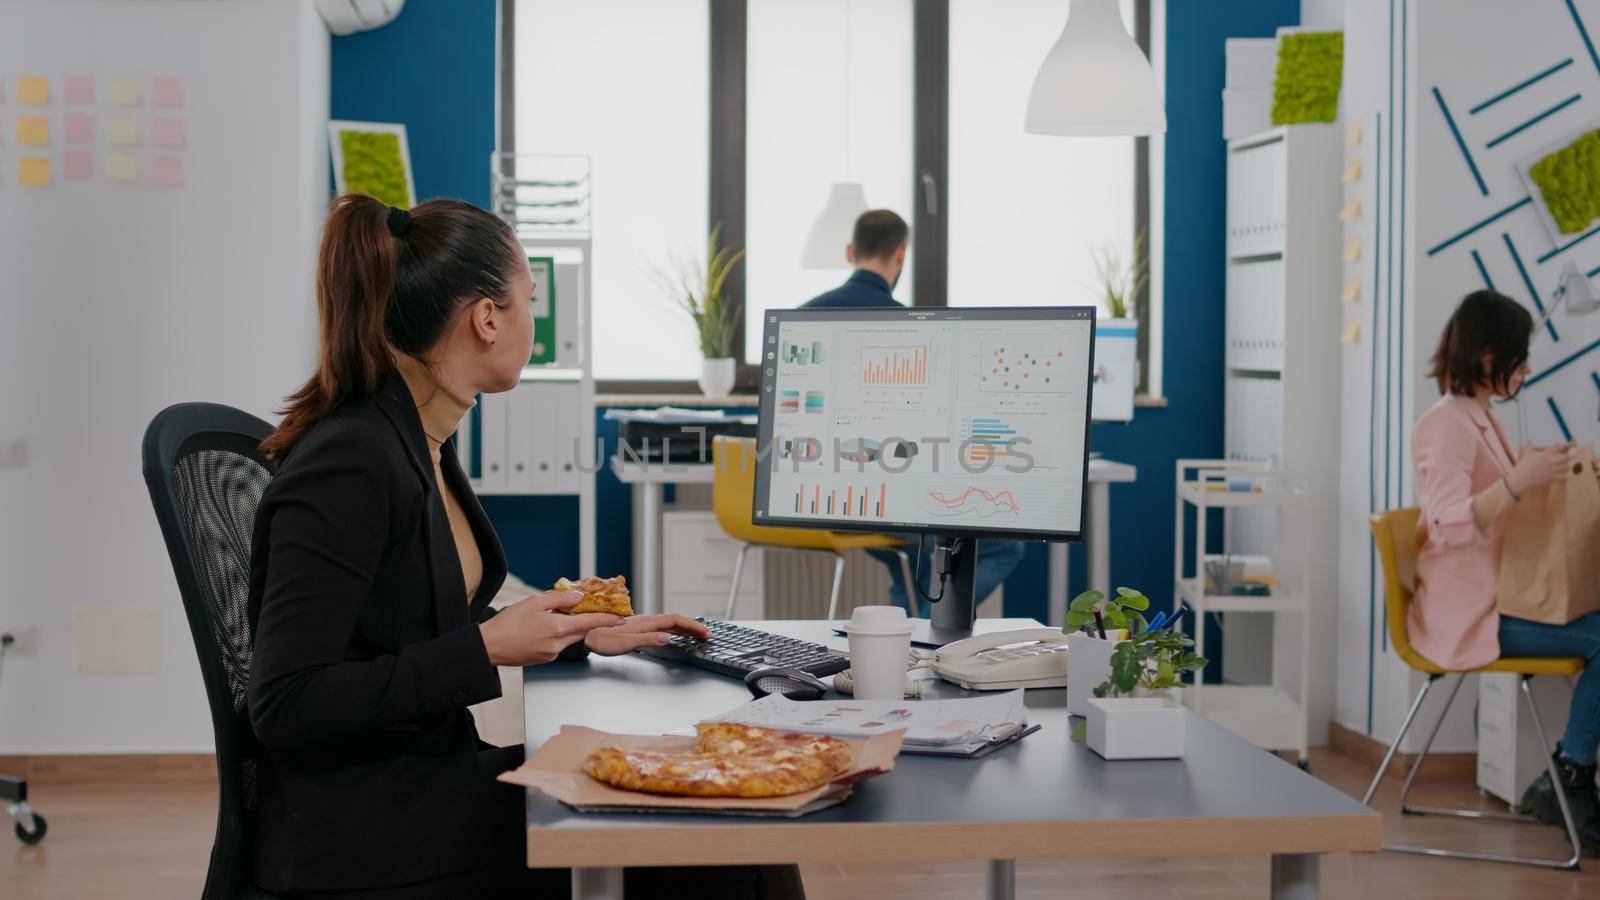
737, 651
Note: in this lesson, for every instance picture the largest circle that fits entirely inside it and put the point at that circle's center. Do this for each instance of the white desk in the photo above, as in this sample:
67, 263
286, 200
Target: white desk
648, 479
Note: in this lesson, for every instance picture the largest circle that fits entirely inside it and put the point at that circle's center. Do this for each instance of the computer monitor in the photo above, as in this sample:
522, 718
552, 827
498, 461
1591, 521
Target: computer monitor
960, 423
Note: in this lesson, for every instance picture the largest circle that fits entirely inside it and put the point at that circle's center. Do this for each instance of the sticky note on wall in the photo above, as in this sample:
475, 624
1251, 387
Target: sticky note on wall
33, 131
1352, 291
33, 90
1352, 209
122, 130
33, 171
1352, 332
121, 165
122, 90
1352, 250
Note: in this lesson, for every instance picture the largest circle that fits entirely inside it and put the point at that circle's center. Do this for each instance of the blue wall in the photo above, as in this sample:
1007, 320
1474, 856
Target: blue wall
433, 69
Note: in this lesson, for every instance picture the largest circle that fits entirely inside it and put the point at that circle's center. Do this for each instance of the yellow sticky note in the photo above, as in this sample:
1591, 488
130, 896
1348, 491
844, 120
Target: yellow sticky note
1352, 134
1352, 291
1352, 332
33, 171
33, 131
122, 130
33, 90
1352, 209
121, 165
1352, 250
1352, 172
122, 90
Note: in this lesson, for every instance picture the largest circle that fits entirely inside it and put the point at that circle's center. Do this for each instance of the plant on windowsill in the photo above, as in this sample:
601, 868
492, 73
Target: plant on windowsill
701, 291
1119, 282
1151, 662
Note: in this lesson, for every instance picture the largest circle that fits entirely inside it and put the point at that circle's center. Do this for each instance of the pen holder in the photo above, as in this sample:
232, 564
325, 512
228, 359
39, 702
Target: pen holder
1088, 664
1135, 728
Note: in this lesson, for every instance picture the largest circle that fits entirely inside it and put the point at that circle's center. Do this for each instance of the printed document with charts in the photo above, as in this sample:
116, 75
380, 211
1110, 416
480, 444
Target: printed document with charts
966, 727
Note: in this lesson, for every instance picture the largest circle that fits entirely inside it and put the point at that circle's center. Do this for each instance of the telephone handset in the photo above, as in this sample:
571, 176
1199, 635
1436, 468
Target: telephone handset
1004, 660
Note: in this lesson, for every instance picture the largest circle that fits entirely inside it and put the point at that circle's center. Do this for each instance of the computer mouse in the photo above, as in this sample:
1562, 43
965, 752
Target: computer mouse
792, 683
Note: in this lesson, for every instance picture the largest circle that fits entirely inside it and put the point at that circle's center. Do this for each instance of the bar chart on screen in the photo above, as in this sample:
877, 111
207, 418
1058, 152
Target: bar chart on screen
867, 501
894, 365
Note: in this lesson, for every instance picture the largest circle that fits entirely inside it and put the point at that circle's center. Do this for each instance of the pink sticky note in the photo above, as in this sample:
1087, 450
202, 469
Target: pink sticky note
167, 131
166, 91
167, 171
80, 90
80, 128
78, 164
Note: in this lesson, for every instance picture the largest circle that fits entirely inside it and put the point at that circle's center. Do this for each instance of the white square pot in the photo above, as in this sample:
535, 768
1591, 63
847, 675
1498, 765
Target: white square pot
1088, 664
1135, 728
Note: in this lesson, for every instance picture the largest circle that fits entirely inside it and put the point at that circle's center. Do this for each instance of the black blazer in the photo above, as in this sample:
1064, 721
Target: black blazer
367, 654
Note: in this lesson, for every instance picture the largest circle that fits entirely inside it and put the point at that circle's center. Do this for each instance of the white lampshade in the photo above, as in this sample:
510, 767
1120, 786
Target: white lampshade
1096, 80
834, 227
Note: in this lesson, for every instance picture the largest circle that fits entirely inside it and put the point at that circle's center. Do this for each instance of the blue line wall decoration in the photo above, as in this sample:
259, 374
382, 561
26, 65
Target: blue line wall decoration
1519, 86
1462, 144
1534, 121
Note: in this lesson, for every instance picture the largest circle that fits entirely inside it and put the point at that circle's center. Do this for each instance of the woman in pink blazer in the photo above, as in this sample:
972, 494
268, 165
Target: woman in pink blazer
1468, 477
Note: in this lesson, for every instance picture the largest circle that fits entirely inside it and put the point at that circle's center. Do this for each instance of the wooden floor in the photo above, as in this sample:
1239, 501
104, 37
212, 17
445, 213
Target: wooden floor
153, 843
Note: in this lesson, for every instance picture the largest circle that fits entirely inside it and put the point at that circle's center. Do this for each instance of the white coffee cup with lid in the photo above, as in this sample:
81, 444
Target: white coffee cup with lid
880, 646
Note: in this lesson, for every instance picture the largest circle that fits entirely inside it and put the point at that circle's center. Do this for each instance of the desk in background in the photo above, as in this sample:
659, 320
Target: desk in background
1043, 797
649, 479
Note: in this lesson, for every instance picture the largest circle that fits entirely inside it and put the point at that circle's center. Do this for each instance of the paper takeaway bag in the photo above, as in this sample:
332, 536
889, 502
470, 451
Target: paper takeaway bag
1550, 560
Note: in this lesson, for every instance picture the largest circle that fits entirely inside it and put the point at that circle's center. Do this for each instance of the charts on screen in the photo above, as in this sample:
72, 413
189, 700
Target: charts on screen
973, 503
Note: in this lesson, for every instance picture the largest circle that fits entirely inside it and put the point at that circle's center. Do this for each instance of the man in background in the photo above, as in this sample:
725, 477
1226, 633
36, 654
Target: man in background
877, 249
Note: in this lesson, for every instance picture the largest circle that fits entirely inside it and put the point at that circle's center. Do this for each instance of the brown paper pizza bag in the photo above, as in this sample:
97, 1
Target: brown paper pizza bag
1550, 560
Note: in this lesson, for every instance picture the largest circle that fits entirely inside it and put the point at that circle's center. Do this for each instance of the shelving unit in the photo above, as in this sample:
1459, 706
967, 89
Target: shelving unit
538, 439
1274, 716
1281, 384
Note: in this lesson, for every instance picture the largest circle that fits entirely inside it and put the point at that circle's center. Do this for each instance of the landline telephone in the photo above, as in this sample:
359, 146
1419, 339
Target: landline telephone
1004, 660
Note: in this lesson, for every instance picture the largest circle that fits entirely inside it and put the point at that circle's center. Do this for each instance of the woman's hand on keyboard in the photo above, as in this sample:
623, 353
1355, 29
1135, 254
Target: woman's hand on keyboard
643, 631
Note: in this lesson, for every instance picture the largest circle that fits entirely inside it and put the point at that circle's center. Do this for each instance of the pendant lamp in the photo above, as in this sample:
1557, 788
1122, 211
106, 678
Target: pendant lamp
847, 200
1095, 80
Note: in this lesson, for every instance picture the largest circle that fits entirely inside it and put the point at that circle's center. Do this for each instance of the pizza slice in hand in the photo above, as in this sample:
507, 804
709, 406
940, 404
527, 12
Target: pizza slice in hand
600, 595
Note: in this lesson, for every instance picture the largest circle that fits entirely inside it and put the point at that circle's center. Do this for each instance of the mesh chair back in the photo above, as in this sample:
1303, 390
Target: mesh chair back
206, 474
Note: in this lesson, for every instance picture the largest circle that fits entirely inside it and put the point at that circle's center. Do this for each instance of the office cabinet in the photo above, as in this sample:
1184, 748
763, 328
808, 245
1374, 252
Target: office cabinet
1509, 754
1281, 391
697, 568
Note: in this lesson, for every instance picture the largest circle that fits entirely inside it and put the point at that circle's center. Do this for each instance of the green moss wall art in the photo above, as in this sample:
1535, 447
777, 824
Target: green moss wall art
1569, 180
1306, 88
372, 158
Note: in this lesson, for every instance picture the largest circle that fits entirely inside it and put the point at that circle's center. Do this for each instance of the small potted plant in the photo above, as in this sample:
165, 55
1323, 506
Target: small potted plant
1134, 713
701, 291
1119, 281
1089, 654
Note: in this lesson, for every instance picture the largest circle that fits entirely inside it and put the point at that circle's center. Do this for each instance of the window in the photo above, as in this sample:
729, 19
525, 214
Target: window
1026, 211
625, 82
806, 128
931, 125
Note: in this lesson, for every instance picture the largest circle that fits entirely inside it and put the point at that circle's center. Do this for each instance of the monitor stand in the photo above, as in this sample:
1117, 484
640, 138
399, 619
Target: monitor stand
957, 557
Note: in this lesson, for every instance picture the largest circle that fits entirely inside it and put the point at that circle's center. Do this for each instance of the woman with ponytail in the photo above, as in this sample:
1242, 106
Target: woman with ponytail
373, 567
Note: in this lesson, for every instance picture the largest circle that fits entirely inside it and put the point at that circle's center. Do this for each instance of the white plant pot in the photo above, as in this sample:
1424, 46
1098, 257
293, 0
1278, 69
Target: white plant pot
1135, 728
1088, 664
716, 376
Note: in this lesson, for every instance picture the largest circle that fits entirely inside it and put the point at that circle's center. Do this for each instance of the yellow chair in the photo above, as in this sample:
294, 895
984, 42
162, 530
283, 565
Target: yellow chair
1395, 534
733, 501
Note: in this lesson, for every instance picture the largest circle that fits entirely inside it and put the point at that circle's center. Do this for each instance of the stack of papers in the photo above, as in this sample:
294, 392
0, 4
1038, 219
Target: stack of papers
967, 727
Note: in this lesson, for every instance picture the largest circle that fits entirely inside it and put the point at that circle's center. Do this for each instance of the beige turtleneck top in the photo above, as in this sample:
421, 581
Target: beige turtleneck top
441, 411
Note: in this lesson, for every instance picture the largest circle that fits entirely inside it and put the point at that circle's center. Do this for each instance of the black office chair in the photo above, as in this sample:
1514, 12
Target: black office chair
206, 474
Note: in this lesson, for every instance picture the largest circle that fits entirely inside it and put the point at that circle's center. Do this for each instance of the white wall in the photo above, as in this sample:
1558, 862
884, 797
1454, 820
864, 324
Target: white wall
117, 300
1470, 51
